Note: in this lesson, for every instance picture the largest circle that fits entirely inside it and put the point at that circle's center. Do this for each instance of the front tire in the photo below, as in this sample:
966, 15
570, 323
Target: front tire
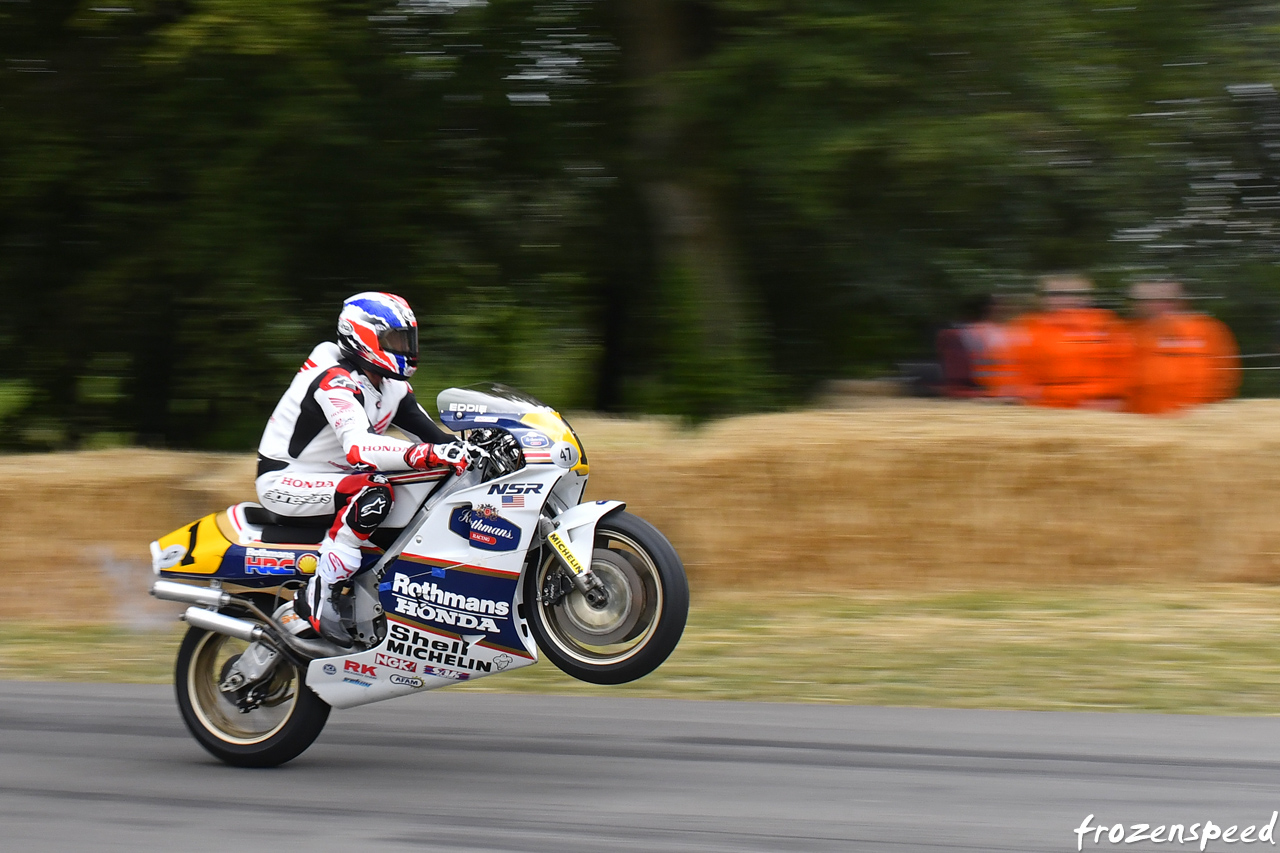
643, 620
287, 721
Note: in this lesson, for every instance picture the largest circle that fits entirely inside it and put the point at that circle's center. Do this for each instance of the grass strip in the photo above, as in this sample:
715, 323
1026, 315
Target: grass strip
1204, 650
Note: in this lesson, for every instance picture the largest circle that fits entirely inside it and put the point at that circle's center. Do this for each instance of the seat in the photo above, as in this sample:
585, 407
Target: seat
276, 534
255, 514
284, 529
303, 530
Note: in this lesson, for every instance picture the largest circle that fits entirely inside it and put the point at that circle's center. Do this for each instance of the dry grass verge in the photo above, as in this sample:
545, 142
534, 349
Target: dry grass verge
900, 496
1207, 649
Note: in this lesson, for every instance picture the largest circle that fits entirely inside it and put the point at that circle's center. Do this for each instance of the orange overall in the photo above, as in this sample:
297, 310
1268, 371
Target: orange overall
1181, 360
1074, 358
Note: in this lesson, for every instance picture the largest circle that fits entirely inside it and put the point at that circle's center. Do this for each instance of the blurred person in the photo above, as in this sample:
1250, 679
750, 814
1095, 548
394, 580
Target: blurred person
1181, 358
1071, 354
324, 448
958, 353
978, 356
995, 343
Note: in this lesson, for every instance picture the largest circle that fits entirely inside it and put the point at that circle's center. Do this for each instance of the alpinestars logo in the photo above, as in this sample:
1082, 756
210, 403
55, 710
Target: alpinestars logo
374, 507
297, 500
339, 379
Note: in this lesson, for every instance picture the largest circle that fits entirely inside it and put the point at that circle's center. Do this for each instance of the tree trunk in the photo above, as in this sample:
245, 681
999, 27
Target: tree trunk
709, 359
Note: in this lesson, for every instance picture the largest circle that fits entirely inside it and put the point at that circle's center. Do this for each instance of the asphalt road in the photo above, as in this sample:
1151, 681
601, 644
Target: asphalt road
110, 767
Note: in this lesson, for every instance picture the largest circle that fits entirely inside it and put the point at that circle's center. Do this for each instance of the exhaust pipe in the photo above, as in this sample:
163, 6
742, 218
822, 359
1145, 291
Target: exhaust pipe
202, 595
220, 623
241, 629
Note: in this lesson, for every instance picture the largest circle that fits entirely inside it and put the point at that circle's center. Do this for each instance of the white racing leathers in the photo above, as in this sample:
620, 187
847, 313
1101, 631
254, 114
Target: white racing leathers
323, 444
330, 424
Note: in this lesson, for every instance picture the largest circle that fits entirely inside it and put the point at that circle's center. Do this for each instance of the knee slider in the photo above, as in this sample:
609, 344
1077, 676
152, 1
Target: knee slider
369, 509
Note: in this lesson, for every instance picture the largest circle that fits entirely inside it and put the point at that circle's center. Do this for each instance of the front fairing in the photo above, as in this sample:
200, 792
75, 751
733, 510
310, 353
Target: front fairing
460, 571
544, 436
453, 596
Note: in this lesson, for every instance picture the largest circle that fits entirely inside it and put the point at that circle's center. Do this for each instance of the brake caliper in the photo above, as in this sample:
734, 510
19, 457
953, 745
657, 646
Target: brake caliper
250, 668
555, 586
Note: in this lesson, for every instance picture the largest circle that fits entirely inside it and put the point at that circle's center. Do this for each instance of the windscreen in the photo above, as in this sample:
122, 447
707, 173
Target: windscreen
487, 398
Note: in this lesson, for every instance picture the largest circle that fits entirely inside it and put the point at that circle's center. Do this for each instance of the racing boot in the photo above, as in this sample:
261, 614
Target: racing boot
328, 609
327, 598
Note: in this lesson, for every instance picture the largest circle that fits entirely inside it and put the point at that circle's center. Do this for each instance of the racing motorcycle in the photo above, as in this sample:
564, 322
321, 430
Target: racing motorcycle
471, 575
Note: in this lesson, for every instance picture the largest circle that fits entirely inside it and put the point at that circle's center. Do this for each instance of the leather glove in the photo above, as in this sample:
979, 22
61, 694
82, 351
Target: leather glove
452, 455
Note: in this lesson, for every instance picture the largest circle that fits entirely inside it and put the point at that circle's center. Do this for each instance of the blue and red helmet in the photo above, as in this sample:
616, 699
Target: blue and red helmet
379, 331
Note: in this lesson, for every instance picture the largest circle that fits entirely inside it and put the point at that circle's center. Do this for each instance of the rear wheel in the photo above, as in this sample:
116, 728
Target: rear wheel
273, 725
641, 622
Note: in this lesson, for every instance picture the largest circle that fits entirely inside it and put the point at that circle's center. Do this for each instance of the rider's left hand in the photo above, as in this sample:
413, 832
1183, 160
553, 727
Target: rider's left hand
474, 451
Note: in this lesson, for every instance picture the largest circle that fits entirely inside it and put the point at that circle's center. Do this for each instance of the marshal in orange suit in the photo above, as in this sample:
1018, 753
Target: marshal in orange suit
1181, 359
1073, 355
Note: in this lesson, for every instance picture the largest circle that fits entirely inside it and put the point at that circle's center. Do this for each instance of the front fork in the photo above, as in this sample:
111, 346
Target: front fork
581, 577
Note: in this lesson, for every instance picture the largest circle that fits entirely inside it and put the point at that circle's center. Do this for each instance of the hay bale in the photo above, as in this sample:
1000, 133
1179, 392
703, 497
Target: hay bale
908, 495
78, 524
923, 495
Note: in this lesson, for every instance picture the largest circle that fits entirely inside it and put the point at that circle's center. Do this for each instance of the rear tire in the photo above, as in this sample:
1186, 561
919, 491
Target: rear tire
287, 722
640, 625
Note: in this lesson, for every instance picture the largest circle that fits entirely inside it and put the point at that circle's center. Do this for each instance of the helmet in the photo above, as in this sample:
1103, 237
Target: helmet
379, 331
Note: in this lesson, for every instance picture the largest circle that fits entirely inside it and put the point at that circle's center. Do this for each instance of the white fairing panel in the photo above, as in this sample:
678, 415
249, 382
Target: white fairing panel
570, 488
410, 659
408, 497
452, 597
502, 524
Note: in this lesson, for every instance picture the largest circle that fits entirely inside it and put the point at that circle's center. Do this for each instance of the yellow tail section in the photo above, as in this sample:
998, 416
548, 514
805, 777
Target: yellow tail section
197, 548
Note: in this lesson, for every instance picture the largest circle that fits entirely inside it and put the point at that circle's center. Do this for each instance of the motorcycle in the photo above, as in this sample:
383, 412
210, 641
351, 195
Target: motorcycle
471, 575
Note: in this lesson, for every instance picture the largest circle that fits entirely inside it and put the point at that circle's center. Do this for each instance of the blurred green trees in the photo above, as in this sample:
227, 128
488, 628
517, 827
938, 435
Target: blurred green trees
624, 204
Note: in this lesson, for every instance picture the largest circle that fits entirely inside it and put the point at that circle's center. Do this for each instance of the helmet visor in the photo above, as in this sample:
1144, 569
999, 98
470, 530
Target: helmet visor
400, 341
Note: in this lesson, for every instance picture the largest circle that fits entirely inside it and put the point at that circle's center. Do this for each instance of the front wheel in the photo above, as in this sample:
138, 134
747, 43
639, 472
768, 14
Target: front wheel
282, 719
638, 626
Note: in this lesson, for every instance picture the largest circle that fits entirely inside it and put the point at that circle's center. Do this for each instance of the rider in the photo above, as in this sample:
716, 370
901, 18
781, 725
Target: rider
324, 446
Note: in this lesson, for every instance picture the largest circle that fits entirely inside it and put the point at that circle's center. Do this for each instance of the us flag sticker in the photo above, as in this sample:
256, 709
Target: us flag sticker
513, 501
